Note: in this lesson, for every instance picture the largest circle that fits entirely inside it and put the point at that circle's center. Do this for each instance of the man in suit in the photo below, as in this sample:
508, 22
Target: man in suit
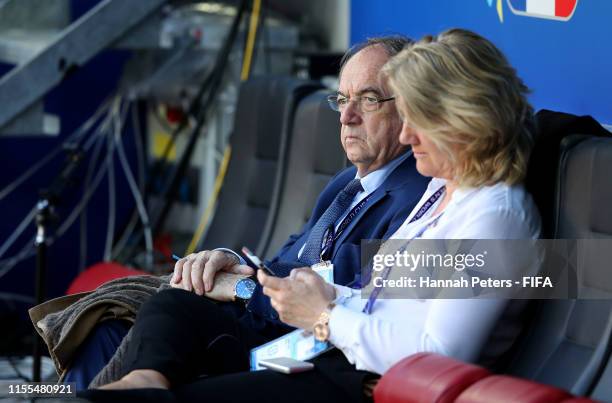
377, 192
385, 167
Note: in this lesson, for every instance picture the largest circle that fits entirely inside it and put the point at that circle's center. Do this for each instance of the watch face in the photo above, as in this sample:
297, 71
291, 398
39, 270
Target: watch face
245, 288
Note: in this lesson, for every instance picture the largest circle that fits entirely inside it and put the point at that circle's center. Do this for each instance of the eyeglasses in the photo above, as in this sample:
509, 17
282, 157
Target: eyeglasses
367, 103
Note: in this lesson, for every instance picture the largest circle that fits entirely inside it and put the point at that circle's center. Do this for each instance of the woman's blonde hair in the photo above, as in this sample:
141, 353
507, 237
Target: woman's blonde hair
458, 88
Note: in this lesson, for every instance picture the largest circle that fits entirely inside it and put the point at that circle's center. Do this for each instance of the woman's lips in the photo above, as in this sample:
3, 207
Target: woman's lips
418, 154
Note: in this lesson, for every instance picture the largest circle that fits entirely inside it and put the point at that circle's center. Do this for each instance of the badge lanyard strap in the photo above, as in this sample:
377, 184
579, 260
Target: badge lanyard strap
332, 236
419, 214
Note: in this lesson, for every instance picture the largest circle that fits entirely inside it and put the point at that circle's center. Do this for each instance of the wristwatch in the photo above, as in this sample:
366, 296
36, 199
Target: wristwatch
244, 289
321, 326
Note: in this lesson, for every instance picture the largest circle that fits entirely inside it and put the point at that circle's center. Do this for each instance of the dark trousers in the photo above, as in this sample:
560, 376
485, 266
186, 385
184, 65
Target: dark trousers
184, 336
96, 351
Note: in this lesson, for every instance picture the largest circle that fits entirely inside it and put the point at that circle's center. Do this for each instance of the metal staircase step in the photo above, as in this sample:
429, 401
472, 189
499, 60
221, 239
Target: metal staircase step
20, 45
43, 65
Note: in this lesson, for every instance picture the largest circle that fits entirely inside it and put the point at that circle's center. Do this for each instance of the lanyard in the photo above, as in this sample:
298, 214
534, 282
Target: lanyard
419, 214
332, 236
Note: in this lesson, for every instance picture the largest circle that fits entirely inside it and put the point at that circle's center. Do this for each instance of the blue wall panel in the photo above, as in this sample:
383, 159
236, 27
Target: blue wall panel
567, 64
74, 100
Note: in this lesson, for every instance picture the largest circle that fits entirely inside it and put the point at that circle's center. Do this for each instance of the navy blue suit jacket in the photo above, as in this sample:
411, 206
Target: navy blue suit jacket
382, 215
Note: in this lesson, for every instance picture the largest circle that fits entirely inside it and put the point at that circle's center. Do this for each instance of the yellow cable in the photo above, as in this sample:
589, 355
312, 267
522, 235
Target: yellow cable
250, 45
244, 75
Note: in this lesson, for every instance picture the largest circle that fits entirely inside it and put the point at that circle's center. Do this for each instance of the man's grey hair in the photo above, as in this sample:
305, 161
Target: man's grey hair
392, 44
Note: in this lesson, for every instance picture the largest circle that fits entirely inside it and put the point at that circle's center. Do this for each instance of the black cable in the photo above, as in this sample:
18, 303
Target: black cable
198, 109
216, 78
159, 166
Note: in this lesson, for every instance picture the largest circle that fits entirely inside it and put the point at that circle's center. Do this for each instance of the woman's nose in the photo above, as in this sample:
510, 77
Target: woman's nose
408, 135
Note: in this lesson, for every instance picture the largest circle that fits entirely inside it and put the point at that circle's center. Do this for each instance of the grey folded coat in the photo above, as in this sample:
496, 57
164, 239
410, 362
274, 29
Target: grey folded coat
65, 322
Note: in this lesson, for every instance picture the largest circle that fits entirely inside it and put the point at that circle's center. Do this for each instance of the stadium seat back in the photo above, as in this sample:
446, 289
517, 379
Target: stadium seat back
252, 185
568, 342
315, 155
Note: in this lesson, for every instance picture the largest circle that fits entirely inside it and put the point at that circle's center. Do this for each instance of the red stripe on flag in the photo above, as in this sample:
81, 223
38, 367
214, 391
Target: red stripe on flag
564, 8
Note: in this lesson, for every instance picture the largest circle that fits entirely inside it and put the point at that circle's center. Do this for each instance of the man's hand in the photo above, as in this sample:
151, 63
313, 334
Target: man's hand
197, 271
300, 298
224, 289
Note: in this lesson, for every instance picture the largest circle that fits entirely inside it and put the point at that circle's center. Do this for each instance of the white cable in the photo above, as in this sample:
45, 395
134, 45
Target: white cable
26, 175
27, 251
102, 128
110, 226
84, 128
134, 217
129, 228
83, 221
97, 139
144, 217
34, 168
11, 296
118, 116
89, 192
20, 228
139, 148
27, 247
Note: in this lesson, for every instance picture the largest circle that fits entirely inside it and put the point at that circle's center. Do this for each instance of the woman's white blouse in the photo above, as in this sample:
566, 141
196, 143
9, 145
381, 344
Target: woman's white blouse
458, 328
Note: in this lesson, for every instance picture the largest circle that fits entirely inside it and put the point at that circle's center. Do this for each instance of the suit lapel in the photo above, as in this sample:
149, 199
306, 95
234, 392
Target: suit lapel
378, 195
400, 175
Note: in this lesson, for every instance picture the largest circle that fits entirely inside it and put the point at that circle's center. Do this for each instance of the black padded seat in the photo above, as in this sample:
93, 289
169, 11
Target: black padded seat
568, 341
262, 126
315, 155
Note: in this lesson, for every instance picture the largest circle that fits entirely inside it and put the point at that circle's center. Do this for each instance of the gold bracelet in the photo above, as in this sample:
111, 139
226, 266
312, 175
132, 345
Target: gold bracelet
321, 326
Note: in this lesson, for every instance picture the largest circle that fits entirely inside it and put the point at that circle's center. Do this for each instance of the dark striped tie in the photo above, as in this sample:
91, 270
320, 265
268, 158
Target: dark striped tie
312, 251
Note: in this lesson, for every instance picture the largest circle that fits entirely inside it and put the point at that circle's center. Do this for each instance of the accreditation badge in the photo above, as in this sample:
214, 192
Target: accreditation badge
299, 344
326, 270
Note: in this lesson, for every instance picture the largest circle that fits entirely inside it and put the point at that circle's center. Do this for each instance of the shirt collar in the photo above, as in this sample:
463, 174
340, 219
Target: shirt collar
458, 196
375, 179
